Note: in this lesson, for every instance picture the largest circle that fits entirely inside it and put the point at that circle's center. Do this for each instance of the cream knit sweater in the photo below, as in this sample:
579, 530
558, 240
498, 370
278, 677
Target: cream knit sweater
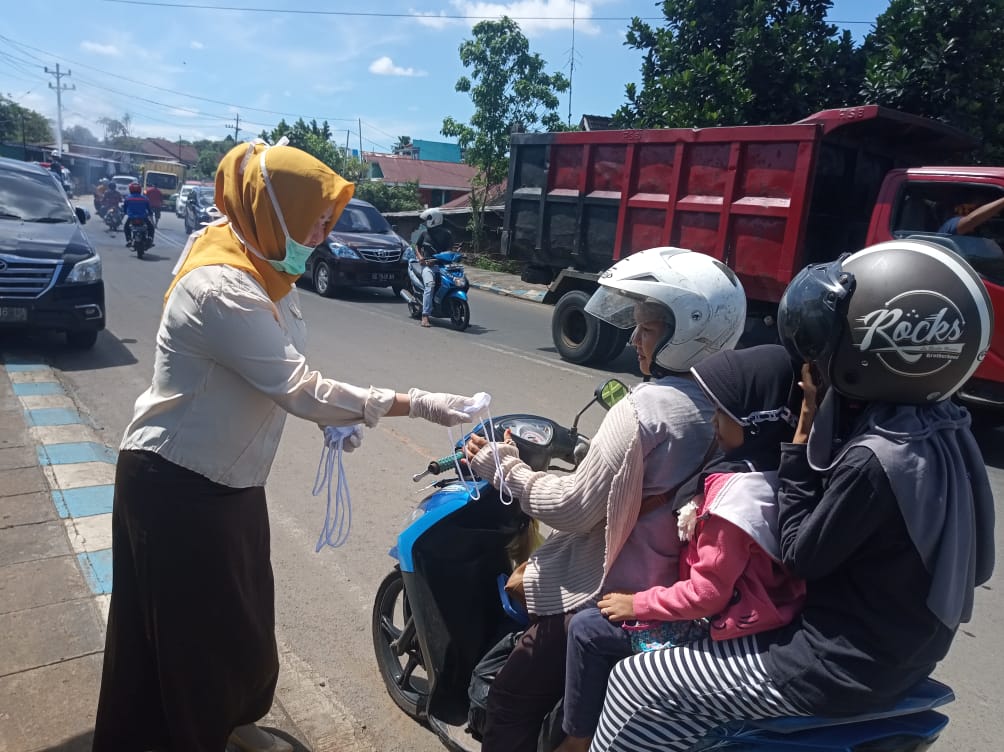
578, 555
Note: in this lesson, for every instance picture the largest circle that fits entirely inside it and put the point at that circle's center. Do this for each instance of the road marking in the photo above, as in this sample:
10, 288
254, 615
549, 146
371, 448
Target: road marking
68, 434
80, 475
52, 416
89, 534
42, 401
75, 452
97, 568
83, 502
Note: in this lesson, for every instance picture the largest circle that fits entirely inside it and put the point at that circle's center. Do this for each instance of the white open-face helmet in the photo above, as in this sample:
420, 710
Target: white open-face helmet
431, 217
705, 300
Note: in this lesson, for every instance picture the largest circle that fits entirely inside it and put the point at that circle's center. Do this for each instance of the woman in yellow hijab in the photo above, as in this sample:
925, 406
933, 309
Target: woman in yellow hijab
190, 656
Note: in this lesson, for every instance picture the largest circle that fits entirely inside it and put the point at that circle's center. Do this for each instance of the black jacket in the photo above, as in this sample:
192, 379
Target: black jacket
865, 636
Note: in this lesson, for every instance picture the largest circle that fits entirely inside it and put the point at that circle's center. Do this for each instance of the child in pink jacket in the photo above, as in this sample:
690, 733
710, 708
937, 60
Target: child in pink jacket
732, 582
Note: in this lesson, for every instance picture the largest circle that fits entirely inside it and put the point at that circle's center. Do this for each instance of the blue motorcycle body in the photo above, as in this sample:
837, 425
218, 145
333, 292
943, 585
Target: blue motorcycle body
449, 299
443, 607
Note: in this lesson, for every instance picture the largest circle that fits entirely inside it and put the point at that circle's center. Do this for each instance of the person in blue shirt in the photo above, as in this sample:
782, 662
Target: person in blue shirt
137, 206
967, 223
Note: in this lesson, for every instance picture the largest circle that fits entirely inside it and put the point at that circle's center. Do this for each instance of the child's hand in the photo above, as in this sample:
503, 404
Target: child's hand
617, 606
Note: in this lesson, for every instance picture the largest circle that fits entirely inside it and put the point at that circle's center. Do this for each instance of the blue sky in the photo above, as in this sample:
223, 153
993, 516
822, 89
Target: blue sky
187, 71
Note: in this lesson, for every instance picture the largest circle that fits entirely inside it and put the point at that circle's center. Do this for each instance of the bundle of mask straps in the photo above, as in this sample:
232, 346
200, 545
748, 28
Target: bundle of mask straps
337, 524
473, 490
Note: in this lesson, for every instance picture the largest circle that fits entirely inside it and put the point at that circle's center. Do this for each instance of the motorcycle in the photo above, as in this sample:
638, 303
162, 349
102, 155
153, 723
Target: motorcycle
443, 609
113, 218
449, 299
139, 236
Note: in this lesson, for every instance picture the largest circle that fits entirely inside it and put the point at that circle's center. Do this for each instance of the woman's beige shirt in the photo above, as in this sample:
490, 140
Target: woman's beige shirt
229, 366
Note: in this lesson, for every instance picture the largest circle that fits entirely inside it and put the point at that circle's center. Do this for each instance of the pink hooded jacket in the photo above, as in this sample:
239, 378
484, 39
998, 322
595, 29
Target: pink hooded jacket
731, 571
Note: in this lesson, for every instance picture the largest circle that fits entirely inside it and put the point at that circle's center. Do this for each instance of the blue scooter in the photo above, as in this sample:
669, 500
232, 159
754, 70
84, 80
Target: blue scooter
443, 608
449, 300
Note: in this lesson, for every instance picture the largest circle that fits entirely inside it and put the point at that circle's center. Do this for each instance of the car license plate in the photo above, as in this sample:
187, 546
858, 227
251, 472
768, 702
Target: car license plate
13, 313
383, 277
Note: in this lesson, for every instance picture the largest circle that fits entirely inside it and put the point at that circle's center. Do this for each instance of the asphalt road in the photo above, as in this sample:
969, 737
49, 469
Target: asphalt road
324, 599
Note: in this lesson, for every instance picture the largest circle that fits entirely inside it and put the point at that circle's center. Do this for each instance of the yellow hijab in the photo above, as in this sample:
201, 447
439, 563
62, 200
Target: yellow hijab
305, 188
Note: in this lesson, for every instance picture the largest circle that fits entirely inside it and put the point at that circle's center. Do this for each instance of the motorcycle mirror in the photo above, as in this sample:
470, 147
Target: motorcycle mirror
610, 392
82, 215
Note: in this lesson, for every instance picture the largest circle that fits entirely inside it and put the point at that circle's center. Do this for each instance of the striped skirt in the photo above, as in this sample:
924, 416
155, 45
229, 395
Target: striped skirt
666, 700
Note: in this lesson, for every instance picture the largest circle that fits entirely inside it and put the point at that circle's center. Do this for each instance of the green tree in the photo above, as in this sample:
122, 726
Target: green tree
390, 198
312, 138
735, 62
78, 134
510, 91
942, 59
19, 124
403, 142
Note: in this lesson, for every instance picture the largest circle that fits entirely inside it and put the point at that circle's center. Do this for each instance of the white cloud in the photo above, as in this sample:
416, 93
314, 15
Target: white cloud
434, 20
384, 66
195, 44
100, 49
533, 16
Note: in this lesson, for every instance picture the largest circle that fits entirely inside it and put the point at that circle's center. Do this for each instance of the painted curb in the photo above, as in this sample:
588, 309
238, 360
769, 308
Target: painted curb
77, 466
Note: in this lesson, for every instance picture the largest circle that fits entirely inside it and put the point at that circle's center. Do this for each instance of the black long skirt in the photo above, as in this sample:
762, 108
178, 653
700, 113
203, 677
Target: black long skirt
190, 651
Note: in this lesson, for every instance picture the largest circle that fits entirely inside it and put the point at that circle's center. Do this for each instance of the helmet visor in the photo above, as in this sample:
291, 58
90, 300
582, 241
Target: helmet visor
810, 314
613, 307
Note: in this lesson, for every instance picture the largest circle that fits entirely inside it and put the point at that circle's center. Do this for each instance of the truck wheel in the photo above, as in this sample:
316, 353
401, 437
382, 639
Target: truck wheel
579, 337
618, 339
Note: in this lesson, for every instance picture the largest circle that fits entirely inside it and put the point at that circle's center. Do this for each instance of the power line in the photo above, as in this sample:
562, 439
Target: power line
172, 91
370, 14
414, 15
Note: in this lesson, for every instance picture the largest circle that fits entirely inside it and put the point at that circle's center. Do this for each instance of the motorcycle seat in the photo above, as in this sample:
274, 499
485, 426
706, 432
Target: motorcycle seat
927, 695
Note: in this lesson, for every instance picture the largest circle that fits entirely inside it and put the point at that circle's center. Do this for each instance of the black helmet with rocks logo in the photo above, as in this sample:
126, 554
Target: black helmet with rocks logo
906, 321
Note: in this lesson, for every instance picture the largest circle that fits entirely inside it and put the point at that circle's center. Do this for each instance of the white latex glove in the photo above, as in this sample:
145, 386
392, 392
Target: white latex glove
351, 436
440, 407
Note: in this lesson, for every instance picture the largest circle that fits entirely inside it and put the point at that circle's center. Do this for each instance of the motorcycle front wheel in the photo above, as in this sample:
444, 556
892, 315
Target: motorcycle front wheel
398, 653
460, 314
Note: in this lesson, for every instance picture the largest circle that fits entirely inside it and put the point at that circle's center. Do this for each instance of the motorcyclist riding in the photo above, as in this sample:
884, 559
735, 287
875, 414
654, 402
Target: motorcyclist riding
137, 206
99, 196
112, 197
430, 238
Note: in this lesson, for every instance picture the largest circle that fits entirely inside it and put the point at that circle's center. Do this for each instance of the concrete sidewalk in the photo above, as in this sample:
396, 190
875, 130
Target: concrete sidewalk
56, 482
504, 284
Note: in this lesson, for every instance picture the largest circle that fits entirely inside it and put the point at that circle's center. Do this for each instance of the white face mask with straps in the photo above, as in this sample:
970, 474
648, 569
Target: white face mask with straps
479, 407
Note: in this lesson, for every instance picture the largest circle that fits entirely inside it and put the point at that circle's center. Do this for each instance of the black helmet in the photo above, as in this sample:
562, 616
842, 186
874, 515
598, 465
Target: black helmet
906, 321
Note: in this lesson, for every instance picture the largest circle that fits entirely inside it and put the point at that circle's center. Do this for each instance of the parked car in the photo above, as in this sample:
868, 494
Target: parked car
200, 208
362, 251
122, 182
181, 198
50, 274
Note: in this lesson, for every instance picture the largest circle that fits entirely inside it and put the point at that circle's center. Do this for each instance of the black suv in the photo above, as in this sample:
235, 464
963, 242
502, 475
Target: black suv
200, 208
362, 251
50, 274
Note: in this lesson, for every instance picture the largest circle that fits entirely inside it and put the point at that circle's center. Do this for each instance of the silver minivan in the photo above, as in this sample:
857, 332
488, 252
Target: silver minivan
183, 193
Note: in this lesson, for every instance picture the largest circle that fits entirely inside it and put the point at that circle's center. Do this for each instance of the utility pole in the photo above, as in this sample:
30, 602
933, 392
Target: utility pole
360, 140
236, 125
60, 88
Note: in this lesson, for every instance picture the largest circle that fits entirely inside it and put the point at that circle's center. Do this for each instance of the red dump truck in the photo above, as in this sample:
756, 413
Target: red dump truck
766, 200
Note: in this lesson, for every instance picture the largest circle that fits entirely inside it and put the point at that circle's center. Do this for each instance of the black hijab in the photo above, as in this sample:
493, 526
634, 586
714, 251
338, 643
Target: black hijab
757, 388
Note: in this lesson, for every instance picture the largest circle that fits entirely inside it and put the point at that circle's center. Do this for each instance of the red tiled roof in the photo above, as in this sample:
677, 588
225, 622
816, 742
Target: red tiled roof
428, 174
496, 197
170, 150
